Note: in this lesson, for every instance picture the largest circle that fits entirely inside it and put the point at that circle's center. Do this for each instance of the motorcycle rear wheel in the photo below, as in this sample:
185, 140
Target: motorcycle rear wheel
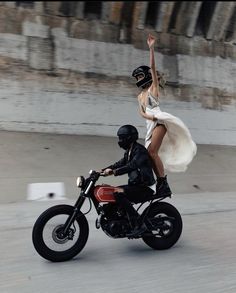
171, 224
44, 244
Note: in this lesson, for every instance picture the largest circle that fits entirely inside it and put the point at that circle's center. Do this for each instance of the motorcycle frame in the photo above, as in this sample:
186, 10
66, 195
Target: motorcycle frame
87, 191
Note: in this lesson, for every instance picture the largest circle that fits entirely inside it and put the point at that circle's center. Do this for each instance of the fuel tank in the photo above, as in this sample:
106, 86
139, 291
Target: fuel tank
104, 193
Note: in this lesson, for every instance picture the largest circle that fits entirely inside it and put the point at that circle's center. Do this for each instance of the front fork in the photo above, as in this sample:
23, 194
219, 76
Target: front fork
78, 206
71, 218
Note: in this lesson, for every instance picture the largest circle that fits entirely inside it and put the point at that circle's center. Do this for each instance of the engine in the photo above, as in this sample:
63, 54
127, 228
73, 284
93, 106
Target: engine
116, 229
114, 222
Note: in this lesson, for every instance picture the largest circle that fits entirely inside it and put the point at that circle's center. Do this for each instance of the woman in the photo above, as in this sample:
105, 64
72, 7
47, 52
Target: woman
168, 140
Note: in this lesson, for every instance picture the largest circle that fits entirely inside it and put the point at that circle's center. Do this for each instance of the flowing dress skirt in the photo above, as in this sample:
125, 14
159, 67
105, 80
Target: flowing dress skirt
178, 148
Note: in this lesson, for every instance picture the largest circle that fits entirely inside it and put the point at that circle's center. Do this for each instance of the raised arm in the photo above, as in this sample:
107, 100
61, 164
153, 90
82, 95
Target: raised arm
155, 84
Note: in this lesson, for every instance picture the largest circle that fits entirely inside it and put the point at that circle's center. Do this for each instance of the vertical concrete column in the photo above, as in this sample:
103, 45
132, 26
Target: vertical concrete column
139, 16
115, 12
106, 10
187, 17
192, 17
40, 53
220, 20
232, 35
79, 11
122, 15
180, 17
40, 45
164, 15
52, 7
39, 7
126, 22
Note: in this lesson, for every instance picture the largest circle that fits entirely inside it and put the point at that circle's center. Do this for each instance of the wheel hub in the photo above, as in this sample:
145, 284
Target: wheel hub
163, 225
59, 236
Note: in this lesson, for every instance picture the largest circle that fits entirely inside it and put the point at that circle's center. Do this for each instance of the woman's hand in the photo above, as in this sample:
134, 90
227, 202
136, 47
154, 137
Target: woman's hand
151, 41
154, 118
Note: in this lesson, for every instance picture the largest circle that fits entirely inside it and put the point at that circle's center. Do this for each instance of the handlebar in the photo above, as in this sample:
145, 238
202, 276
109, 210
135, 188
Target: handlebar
97, 173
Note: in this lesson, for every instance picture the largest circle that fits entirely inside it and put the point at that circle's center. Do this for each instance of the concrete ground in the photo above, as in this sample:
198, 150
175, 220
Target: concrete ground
204, 258
36, 157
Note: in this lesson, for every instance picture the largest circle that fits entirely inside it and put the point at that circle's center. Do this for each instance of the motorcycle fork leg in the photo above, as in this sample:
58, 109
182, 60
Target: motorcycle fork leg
71, 218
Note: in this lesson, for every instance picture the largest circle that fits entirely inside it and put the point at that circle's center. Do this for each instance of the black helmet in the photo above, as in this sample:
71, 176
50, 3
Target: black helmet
127, 135
147, 76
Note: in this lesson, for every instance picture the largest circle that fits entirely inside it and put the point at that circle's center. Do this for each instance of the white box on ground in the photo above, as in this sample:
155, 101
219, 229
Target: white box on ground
46, 191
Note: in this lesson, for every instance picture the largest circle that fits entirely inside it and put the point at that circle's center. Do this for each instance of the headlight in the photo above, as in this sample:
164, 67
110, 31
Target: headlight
80, 181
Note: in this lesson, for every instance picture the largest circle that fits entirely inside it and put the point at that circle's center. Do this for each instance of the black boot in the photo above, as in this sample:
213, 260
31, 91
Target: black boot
163, 188
136, 222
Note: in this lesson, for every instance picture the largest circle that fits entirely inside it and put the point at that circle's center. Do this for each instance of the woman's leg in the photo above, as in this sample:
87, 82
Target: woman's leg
156, 140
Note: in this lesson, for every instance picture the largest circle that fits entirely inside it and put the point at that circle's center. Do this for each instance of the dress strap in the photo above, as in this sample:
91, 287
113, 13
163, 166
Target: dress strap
152, 99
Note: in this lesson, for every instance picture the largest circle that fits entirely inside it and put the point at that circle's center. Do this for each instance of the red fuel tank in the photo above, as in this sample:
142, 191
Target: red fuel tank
104, 193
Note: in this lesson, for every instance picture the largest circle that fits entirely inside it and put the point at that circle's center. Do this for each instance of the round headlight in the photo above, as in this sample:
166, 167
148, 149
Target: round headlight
79, 181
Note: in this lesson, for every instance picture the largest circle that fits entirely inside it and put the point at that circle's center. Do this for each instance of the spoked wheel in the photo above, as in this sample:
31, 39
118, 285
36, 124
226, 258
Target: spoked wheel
49, 238
165, 224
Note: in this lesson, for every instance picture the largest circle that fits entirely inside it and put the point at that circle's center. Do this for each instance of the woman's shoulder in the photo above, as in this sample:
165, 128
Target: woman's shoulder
139, 96
141, 99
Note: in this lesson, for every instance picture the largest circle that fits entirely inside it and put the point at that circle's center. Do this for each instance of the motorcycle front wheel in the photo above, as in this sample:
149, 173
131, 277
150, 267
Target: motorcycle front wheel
48, 237
165, 224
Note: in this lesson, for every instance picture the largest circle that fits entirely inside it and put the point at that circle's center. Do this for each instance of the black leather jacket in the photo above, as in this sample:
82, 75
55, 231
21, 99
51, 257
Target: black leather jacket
137, 165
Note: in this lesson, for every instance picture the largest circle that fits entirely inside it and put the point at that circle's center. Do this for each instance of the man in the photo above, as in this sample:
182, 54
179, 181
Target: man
141, 184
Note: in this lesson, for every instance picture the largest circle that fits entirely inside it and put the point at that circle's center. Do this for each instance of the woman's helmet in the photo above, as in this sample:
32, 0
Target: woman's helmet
145, 72
127, 134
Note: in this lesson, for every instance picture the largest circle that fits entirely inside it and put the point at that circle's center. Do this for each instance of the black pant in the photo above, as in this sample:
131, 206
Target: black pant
134, 194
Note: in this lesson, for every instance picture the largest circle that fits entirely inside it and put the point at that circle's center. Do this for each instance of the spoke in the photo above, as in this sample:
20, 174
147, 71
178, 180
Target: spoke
161, 225
53, 234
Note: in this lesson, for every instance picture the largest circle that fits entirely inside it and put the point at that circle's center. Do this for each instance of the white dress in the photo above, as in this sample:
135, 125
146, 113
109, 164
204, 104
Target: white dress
177, 149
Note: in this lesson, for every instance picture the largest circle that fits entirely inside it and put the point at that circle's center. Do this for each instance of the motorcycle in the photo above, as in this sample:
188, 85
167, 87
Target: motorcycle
61, 232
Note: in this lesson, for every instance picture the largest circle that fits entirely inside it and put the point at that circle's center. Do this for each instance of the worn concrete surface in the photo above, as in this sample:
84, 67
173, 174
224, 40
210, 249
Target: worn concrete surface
78, 86
204, 258
35, 158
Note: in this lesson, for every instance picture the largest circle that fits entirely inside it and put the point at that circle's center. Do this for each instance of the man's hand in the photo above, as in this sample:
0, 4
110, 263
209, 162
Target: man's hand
107, 172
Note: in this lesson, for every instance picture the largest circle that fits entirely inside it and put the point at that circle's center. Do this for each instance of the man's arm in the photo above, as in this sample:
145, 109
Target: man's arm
116, 165
137, 160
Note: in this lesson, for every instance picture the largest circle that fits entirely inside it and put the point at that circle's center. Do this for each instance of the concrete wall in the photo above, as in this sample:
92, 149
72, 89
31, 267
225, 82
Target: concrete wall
97, 103
52, 82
